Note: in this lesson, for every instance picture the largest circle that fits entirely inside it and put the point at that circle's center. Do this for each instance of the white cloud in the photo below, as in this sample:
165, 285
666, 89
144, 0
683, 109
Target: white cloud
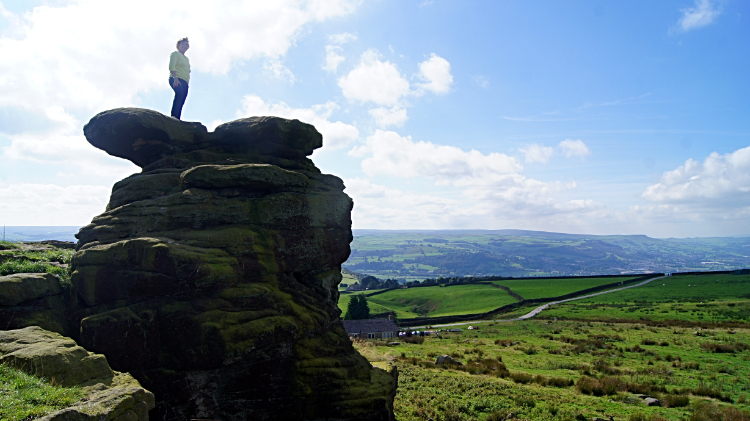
335, 134
436, 72
571, 148
481, 80
277, 69
48, 204
63, 144
702, 14
493, 189
537, 153
342, 38
385, 117
390, 154
426, 3
721, 181
333, 58
374, 80
379, 207
89, 55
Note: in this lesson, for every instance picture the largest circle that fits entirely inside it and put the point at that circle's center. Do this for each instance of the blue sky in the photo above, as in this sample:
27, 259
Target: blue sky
570, 116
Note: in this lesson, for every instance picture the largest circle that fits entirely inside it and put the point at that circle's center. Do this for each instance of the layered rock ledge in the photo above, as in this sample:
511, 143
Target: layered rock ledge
212, 276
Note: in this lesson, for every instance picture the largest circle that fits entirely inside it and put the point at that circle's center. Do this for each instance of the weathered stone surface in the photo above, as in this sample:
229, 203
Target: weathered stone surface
51, 355
152, 140
447, 359
32, 299
20, 287
108, 395
212, 276
652, 402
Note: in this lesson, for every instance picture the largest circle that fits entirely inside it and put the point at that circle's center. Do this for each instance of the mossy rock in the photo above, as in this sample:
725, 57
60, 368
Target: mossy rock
108, 395
20, 287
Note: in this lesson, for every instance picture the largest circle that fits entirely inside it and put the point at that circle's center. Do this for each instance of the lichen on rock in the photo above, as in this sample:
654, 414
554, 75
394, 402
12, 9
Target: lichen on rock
212, 276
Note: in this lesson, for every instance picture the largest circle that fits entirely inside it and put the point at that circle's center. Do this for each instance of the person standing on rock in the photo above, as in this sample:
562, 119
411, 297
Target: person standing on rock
179, 76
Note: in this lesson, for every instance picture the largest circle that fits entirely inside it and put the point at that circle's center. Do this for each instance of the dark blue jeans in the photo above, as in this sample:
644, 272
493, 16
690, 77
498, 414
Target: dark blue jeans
180, 93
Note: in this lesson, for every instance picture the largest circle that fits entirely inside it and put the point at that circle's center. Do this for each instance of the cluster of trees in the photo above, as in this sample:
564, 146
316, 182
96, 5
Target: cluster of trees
357, 308
371, 282
456, 280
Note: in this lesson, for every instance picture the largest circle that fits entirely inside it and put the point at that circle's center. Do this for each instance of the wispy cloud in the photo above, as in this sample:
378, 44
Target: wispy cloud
482, 80
573, 148
624, 101
342, 38
537, 153
533, 119
702, 14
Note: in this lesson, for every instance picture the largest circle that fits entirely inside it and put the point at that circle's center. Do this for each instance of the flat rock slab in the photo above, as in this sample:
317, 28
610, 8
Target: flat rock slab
145, 136
51, 355
20, 287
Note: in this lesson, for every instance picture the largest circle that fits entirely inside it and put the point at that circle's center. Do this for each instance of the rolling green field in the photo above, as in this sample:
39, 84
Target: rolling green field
344, 299
542, 288
348, 279
436, 301
453, 300
567, 370
697, 298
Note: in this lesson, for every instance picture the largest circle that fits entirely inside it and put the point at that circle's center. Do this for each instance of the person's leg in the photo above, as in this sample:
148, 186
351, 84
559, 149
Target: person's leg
180, 93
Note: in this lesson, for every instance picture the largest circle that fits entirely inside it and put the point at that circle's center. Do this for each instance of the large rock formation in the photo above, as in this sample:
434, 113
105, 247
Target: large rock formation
212, 276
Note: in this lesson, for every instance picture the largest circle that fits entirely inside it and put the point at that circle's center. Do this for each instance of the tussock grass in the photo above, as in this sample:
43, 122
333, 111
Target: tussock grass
21, 261
581, 370
25, 397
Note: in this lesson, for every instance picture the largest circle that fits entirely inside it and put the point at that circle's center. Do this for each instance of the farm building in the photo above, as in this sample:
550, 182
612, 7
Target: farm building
371, 328
354, 287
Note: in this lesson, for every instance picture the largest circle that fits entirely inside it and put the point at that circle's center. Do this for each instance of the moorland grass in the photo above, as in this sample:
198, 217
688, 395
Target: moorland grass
608, 363
23, 261
25, 397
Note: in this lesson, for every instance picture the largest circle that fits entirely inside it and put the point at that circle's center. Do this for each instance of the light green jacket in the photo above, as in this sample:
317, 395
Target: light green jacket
180, 64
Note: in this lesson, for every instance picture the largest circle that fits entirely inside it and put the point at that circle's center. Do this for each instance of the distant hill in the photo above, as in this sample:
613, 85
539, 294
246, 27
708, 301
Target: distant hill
423, 254
39, 233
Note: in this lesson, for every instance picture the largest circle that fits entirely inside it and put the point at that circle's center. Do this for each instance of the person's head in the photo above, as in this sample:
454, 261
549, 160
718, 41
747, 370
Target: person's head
183, 45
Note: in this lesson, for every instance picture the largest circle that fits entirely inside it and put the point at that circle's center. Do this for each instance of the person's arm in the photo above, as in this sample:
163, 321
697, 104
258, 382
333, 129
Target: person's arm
173, 69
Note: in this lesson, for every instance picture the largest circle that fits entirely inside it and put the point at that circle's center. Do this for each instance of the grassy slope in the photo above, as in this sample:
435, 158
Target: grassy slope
375, 308
710, 298
426, 392
437, 301
24, 397
543, 288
